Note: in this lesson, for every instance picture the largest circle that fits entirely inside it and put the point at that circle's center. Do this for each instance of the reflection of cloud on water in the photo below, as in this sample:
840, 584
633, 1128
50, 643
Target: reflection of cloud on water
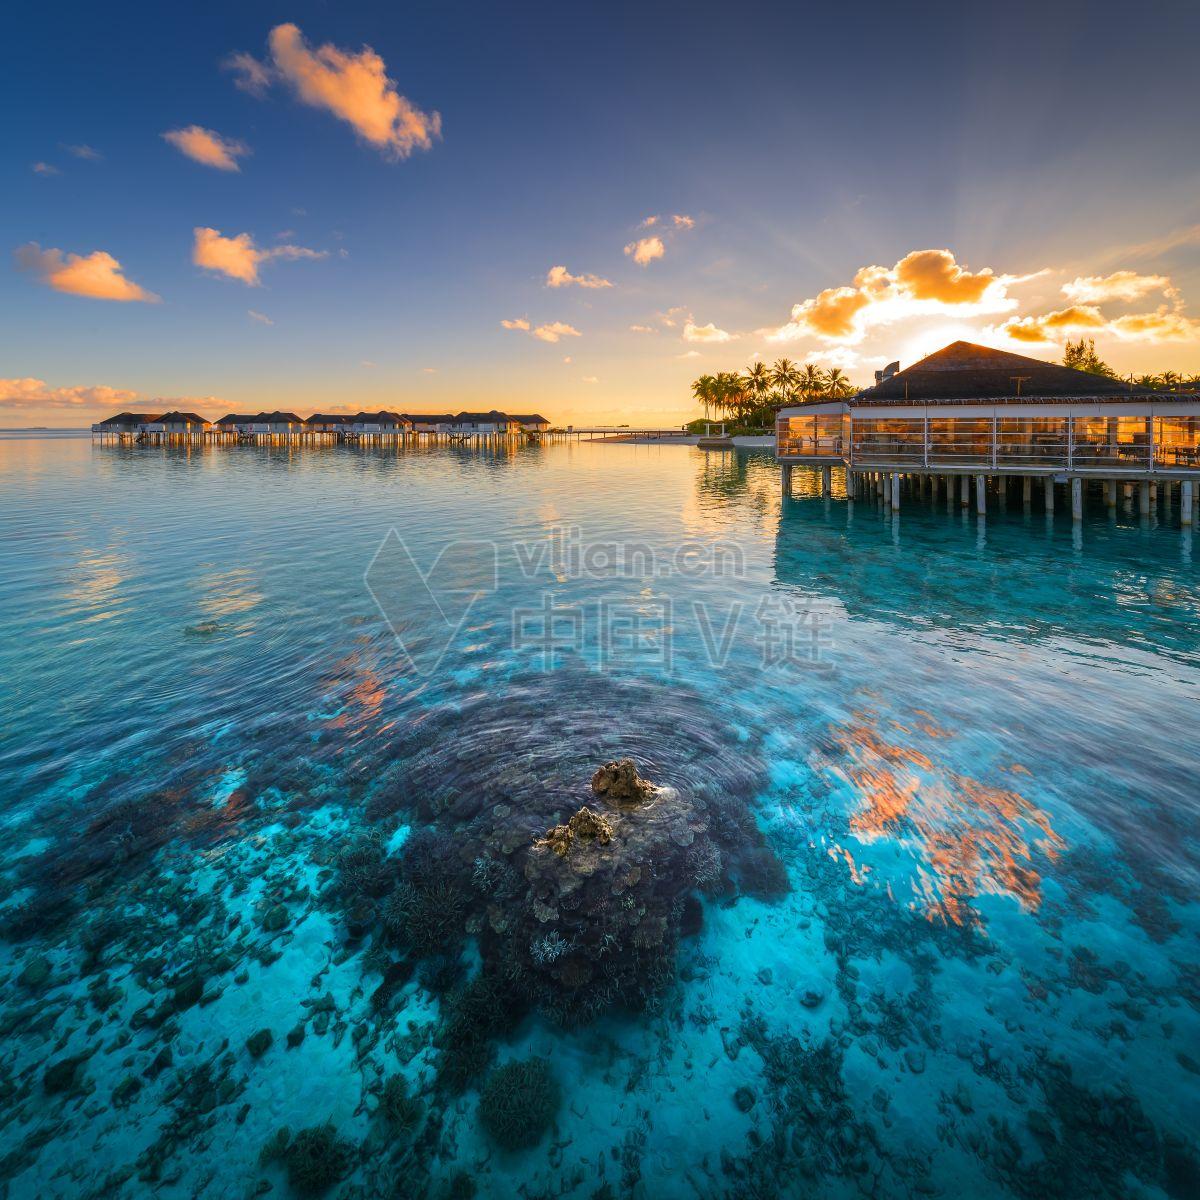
94, 585
969, 838
227, 593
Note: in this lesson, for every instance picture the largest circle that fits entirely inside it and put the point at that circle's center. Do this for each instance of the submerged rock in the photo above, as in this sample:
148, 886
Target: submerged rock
619, 783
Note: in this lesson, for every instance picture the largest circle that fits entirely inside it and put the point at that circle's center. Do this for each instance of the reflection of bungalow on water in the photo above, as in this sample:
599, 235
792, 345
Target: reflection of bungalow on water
970, 418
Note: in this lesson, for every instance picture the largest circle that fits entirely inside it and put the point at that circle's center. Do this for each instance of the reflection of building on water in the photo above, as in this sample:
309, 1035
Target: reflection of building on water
969, 420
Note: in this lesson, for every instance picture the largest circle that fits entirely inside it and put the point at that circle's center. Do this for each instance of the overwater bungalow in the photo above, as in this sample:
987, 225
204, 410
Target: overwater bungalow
276, 424
174, 426
123, 425
328, 423
233, 425
481, 424
533, 423
378, 425
430, 422
970, 415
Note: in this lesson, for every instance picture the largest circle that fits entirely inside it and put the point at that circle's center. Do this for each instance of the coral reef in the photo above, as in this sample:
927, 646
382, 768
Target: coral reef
518, 1103
316, 1158
619, 783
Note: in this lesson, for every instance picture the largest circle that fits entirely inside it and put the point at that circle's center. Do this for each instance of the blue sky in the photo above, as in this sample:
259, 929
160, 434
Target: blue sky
1046, 144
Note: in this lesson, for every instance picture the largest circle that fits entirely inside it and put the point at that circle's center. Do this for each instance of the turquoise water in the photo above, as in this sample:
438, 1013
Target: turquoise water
913, 911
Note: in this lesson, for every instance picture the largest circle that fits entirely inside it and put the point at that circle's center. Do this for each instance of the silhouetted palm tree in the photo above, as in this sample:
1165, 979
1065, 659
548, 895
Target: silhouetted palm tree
786, 379
836, 384
812, 380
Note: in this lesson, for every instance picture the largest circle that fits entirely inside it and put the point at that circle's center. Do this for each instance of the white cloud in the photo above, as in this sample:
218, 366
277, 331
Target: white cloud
646, 250
45, 168
87, 153
590, 379
705, 333
238, 257
1119, 286
354, 87
261, 318
97, 275
558, 277
683, 222
642, 329
689, 354
208, 147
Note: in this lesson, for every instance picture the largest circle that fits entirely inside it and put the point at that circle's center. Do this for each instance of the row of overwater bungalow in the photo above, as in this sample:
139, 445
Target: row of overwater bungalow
970, 421
145, 428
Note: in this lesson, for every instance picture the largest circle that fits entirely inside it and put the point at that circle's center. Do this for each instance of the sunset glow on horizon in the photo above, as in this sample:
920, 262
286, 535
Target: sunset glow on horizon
472, 208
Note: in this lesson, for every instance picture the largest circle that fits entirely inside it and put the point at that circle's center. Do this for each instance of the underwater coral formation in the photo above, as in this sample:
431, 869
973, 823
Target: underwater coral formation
518, 1103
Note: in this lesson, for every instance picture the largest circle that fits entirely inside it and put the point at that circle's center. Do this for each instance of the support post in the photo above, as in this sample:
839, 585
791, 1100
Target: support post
1185, 502
826, 481
981, 493
1144, 498
896, 493
964, 493
1076, 499
1049, 493
1027, 490
787, 479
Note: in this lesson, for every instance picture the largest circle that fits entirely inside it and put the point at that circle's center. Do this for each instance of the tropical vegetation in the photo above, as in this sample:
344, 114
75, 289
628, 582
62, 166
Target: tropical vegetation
1083, 357
751, 398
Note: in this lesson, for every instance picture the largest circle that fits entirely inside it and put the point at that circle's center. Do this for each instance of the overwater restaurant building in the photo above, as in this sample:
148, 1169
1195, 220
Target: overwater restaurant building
972, 411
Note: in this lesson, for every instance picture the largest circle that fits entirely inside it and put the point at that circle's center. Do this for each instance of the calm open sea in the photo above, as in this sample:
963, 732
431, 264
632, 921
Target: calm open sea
914, 910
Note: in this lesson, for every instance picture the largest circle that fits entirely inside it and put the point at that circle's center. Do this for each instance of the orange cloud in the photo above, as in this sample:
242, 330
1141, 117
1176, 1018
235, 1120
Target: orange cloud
683, 222
558, 277
97, 275
922, 283
207, 146
354, 87
517, 323
934, 275
642, 329
1044, 328
705, 333
37, 394
555, 330
646, 250
1119, 286
238, 257
1165, 325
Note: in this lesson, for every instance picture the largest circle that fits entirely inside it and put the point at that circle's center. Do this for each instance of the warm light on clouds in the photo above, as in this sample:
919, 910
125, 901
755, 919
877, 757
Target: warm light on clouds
1054, 324
1119, 286
208, 147
705, 333
238, 257
923, 283
552, 331
97, 275
683, 222
354, 87
642, 329
36, 394
558, 277
646, 250
555, 330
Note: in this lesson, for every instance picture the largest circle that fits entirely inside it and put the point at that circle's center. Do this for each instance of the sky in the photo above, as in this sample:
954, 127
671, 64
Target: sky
578, 209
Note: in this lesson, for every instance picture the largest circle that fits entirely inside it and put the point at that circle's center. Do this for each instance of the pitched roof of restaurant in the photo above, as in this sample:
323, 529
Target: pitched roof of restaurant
964, 370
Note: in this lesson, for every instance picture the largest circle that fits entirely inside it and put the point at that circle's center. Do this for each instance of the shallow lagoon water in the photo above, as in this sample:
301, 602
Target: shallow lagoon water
972, 745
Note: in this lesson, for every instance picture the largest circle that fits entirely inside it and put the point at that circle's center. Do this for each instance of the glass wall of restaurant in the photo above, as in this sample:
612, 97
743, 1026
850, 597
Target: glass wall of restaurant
811, 437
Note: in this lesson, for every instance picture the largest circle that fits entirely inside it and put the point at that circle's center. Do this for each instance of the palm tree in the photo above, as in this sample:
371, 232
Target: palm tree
836, 384
732, 395
1149, 382
812, 381
757, 380
786, 378
704, 390
1170, 379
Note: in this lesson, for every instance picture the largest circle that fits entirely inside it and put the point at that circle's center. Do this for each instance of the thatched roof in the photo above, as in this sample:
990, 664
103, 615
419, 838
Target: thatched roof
180, 418
966, 371
380, 418
329, 419
128, 418
532, 419
493, 417
236, 419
